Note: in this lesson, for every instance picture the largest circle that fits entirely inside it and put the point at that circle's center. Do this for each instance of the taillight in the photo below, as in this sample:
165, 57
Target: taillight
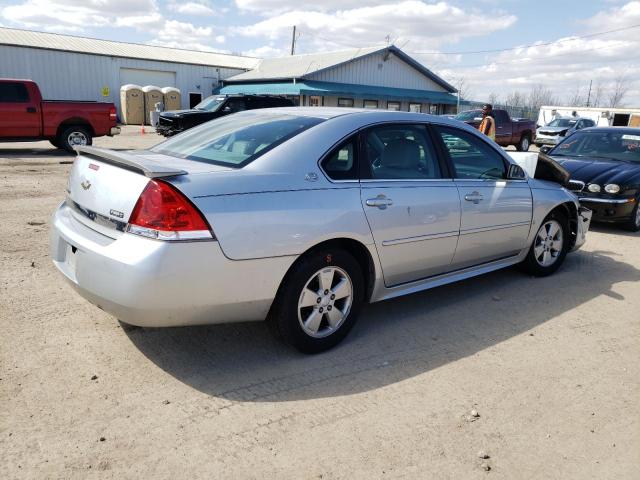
112, 114
162, 212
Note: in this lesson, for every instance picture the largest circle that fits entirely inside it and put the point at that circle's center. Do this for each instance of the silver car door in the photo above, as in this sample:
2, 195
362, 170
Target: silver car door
413, 209
496, 212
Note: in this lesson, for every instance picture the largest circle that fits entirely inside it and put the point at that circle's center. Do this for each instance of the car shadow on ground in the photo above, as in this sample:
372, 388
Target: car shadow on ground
393, 340
612, 229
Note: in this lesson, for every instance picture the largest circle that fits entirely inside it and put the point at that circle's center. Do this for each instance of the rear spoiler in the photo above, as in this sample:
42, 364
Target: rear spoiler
129, 161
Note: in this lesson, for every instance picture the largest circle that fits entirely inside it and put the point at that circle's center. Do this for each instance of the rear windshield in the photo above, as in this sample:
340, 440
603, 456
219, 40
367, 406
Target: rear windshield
236, 140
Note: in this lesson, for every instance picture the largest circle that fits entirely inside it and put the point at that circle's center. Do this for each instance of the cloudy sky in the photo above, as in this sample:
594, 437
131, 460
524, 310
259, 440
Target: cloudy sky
455, 38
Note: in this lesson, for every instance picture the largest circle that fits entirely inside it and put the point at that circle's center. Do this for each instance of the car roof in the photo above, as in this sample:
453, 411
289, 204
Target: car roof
631, 130
332, 112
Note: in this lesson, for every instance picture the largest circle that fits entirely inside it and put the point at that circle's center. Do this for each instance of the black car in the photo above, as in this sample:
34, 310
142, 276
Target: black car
215, 106
604, 163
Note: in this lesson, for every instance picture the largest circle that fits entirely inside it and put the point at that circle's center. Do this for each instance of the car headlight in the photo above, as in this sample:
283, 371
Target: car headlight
612, 188
594, 188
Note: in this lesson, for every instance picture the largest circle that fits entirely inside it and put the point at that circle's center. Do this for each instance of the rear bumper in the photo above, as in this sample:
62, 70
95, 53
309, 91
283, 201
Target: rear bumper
608, 209
153, 283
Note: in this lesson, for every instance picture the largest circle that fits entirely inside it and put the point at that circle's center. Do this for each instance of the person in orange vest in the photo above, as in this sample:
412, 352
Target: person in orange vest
488, 124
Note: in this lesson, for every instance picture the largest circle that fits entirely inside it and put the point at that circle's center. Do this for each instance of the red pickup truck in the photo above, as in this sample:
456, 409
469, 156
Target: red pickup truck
24, 116
519, 132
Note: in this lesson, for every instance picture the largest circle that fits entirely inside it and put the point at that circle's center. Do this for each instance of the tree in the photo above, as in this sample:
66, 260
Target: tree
494, 98
618, 92
576, 99
539, 96
515, 99
462, 85
597, 94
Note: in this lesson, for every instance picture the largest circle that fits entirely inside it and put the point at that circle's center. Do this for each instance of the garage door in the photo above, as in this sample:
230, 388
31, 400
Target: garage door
147, 77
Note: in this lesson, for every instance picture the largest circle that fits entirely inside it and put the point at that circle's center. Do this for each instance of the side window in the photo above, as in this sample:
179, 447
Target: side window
340, 164
500, 117
472, 157
398, 152
12, 92
236, 104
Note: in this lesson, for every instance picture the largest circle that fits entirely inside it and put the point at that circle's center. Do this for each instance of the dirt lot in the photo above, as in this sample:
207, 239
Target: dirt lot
552, 367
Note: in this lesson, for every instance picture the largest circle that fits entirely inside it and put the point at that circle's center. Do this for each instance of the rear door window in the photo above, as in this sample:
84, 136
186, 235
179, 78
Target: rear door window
400, 152
13, 92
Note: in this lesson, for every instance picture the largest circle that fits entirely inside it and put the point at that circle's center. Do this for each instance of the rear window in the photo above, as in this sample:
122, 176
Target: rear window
236, 140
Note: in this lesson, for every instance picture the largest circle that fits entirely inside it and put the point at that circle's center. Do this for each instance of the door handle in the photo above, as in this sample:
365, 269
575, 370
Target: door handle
31, 109
475, 197
381, 201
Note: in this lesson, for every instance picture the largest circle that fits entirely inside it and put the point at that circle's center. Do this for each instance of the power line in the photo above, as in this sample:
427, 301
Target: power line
496, 50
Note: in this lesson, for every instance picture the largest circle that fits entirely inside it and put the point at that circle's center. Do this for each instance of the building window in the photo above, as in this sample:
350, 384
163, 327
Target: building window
393, 106
315, 101
414, 107
433, 109
345, 102
370, 104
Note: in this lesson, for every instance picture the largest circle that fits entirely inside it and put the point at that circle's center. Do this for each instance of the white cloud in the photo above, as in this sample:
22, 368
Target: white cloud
191, 8
269, 7
423, 24
186, 35
566, 65
77, 15
266, 51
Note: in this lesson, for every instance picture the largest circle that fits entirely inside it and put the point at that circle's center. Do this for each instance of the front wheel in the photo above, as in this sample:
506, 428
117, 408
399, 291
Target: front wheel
74, 136
633, 225
549, 247
319, 300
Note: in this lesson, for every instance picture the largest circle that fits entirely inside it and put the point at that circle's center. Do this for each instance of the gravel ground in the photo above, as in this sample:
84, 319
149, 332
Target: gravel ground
542, 376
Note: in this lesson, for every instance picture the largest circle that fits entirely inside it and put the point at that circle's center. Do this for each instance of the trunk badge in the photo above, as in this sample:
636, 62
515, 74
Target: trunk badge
93, 166
86, 184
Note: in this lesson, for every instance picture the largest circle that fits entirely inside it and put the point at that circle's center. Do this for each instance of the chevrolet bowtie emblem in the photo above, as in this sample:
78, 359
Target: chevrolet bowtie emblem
86, 184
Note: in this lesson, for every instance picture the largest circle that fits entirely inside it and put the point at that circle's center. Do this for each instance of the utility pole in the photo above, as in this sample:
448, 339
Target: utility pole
589, 95
293, 41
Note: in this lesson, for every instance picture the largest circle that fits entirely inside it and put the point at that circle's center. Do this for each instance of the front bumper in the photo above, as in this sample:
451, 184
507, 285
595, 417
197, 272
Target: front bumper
584, 222
609, 209
114, 131
547, 139
155, 283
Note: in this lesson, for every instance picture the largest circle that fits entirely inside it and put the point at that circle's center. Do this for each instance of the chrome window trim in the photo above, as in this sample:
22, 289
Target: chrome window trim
402, 180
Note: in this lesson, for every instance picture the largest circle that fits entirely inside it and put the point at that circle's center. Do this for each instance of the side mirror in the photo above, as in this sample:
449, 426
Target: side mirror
545, 149
516, 172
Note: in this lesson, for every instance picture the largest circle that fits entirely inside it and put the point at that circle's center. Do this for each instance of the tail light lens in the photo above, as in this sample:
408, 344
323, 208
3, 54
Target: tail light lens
162, 212
112, 114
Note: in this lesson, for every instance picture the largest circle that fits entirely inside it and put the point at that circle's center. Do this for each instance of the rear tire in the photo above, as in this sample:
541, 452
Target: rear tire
524, 143
74, 136
319, 300
550, 246
633, 225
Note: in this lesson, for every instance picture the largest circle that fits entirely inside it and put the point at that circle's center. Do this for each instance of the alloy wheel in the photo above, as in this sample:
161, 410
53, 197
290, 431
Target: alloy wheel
325, 302
77, 138
548, 243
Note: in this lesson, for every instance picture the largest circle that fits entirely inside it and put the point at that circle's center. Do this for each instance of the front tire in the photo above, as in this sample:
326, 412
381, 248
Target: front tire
319, 300
550, 246
74, 136
633, 225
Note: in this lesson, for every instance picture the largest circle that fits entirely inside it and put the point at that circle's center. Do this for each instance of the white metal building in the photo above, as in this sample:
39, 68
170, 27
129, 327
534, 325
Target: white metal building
77, 68
375, 77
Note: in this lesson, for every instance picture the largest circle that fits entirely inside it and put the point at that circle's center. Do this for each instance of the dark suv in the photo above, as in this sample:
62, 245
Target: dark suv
215, 106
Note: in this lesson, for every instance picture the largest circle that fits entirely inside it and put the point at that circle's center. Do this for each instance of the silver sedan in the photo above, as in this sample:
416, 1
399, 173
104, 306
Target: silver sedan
299, 216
